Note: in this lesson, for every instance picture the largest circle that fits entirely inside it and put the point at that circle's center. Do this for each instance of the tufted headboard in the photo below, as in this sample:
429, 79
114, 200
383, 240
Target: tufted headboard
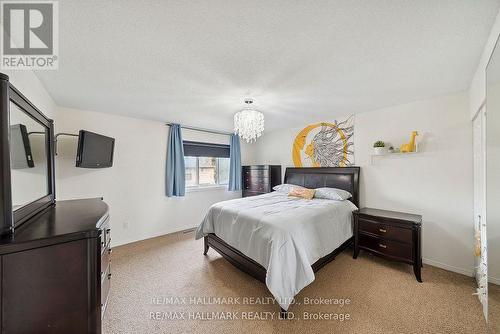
346, 178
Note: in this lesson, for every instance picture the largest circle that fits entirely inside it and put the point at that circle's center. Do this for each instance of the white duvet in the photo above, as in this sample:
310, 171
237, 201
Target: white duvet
286, 235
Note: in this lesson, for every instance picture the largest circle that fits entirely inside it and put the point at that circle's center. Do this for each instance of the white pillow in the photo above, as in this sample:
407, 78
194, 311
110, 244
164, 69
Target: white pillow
332, 193
285, 188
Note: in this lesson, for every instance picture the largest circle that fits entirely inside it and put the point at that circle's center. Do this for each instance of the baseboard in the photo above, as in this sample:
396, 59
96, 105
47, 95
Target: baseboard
466, 272
143, 238
433, 263
494, 280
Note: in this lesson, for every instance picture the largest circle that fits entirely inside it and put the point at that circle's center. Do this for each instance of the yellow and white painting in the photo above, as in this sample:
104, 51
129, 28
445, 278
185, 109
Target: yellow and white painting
325, 144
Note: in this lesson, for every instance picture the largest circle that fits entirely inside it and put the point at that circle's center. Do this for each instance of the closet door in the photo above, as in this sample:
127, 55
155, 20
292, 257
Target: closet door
481, 261
493, 187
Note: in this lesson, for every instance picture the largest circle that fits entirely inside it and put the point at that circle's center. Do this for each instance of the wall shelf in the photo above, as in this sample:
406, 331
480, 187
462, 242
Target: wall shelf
397, 154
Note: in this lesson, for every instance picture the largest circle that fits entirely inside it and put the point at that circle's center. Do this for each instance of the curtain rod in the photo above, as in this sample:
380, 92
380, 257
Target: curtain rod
203, 130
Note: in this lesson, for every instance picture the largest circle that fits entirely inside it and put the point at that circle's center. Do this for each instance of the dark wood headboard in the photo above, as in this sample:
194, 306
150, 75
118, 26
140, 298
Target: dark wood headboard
345, 178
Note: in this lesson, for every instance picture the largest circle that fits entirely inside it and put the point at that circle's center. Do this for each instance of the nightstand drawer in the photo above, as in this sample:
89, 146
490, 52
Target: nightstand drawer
385, 231
391, 248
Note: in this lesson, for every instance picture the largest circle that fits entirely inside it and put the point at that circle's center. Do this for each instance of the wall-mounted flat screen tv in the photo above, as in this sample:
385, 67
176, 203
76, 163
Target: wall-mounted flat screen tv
94, 150
20, 148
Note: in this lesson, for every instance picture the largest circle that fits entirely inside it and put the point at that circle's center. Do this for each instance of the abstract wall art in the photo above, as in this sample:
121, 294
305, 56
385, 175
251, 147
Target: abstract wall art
325, 144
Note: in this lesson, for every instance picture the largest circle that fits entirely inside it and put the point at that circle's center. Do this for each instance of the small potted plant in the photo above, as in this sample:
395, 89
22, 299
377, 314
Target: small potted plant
379, 147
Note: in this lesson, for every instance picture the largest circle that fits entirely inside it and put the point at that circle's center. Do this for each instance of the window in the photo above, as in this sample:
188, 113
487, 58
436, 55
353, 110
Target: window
206, 171
191, 165
207, 165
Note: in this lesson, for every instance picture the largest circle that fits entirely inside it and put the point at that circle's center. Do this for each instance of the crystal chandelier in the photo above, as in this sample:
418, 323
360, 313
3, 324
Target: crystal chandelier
249, 123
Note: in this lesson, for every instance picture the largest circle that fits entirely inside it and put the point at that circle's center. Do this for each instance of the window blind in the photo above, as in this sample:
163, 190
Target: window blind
199, 149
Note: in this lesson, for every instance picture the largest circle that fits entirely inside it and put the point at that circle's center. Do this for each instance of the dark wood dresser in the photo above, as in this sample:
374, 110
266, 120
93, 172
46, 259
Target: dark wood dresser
55, 270
393, 235
260, 179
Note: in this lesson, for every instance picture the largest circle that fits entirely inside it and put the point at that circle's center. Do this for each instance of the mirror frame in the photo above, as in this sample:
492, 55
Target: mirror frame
13, 219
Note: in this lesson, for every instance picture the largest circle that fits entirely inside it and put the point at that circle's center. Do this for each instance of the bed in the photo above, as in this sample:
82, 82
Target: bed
280, 240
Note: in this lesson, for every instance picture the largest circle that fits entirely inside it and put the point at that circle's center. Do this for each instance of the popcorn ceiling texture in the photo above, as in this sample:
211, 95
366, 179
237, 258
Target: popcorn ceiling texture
385, 296
194, 62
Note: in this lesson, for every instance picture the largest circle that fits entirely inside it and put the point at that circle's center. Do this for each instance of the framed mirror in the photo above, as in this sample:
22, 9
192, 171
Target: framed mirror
27, 165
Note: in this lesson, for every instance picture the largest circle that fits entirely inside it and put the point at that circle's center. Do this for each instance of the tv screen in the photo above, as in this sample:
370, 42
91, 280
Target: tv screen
94, 150
20, 148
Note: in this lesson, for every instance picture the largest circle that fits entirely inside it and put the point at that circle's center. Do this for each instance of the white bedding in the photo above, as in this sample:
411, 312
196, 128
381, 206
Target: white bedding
286, 235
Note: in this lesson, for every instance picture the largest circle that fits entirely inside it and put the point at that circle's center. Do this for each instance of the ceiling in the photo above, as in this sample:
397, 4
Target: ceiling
194, 62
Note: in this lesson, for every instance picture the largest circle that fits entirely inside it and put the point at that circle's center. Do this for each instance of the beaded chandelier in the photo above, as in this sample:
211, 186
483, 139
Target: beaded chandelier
249, 123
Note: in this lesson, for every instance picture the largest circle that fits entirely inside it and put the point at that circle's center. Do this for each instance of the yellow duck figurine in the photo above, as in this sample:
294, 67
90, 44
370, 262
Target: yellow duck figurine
409, 147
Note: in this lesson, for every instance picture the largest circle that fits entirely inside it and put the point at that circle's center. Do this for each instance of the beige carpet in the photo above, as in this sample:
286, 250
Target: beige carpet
494, 308
385, 297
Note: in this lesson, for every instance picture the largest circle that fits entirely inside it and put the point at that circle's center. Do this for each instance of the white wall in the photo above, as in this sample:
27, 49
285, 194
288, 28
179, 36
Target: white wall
134, 187
436, 183
31, 87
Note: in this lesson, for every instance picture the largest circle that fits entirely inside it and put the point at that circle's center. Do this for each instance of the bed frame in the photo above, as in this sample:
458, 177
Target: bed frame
346, 178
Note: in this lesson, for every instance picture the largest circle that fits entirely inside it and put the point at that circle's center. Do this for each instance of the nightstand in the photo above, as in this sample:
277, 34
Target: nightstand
392, 235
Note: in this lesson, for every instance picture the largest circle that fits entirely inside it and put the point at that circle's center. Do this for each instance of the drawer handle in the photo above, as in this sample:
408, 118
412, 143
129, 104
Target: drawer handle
108, 230
110, 250
383, 246
109, 276
382, 230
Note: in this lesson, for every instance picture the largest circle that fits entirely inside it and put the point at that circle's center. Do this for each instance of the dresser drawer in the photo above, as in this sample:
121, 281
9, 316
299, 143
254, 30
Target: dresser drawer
105, 259
256, 173
391, 248
105, 234
257, 186
384, 230
247, 193
255, 179
105, 285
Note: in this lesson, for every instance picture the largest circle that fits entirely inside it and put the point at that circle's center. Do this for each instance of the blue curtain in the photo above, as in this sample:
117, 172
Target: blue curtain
234, 163
176, 183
